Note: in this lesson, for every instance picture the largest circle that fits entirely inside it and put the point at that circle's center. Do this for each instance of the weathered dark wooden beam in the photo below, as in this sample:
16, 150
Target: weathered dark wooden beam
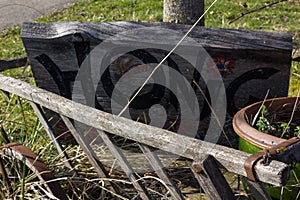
13, 63
259, 58
290, 154
211, 179
208, 37
258, 190
276, 173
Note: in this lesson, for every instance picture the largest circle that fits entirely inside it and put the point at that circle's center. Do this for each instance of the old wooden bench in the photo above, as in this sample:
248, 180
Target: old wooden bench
57, 50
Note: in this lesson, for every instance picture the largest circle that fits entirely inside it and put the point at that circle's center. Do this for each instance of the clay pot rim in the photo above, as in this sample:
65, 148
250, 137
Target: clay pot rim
252, 135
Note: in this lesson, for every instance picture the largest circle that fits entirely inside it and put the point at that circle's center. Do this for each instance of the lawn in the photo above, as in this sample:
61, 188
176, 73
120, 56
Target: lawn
16, 116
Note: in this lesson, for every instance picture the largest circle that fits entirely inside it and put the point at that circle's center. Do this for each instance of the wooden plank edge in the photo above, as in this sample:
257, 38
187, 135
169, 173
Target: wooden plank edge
277, 173
13, 63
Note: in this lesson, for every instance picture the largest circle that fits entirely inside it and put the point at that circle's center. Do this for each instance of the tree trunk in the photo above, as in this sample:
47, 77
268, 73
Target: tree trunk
183, 11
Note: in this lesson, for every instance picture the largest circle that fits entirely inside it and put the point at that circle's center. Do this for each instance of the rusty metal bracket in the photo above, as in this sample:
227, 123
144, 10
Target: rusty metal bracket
266, 155
32, 161
250, 163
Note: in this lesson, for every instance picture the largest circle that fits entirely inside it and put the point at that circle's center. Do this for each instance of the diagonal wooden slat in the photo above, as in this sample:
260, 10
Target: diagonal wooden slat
125, 165
211, 179
99, 167
161, 171
38, 111
258, 190
13, 63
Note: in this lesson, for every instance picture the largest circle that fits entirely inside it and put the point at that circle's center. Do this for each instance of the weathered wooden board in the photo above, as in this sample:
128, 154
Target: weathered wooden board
158, 167
13, 63
39, 112
261, 60
276, 173
257, 189
99, 167
211, 179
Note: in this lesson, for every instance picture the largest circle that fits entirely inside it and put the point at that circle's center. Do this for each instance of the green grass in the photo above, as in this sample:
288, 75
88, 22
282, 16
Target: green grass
11, 44
17, 117
283, 17
103, 11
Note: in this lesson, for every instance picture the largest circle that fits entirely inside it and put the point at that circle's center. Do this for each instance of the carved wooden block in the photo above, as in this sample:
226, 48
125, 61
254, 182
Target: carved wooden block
250, 62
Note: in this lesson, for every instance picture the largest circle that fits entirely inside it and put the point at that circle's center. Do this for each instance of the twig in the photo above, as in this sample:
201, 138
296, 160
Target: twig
213, 112
255, 10
292, 116
4, 136
295, 74
296, 59
256, 115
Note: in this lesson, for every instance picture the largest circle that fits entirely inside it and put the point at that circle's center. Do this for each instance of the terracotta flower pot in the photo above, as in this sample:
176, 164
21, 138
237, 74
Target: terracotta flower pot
252, 140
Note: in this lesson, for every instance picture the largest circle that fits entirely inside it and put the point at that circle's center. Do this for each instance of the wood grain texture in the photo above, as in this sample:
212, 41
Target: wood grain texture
261, 60
160, 170
276, 173
208, 37
43, 120
99, 167
258, 190
13, 63
212, 180
125, 165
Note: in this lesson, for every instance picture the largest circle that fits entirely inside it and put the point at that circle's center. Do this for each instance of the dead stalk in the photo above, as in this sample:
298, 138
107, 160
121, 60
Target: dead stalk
293, 112
256, 115
213, 112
